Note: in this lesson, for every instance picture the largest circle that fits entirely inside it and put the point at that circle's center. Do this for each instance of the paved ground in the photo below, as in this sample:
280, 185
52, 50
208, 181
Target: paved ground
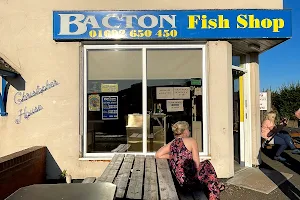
290, 189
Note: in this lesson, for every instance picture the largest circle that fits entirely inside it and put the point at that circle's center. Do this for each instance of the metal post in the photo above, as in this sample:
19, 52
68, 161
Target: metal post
269, 100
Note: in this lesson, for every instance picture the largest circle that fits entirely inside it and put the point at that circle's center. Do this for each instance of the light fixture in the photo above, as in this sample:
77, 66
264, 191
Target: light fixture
254, 47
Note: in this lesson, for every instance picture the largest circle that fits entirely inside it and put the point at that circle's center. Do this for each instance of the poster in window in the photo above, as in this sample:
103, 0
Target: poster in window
94, 102
111, 88
109, 107
164, 93
93, 87
182, 93
198, 91
174, 105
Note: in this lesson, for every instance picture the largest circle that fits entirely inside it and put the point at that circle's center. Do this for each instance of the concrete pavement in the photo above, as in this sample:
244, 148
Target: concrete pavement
290, 189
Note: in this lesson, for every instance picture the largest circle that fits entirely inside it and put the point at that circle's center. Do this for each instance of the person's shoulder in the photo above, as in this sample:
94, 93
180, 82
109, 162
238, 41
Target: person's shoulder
190, 139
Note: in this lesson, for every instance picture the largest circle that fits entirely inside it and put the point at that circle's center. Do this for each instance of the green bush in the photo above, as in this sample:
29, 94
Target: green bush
286, 100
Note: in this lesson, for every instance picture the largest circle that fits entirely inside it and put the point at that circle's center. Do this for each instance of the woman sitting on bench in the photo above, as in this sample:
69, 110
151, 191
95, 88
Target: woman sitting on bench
270, 131
183, 155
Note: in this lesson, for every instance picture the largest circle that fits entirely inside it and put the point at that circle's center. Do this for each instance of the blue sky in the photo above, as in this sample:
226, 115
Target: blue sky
281, 64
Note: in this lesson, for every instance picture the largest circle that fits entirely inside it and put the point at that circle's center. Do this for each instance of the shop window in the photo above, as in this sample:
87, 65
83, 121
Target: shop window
174, 93
114, 94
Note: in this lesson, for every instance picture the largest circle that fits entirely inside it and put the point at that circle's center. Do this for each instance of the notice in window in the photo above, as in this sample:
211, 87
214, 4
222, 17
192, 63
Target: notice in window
94, 102
164, 93
198, 91
174, 105
182, 93
109, 88
109, 107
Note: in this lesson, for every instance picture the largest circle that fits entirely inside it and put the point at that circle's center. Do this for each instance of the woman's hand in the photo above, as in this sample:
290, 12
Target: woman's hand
283, 122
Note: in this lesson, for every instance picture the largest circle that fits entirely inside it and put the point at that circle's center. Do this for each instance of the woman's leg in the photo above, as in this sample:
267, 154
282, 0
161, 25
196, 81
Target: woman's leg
208, 176
288, 140
280, 141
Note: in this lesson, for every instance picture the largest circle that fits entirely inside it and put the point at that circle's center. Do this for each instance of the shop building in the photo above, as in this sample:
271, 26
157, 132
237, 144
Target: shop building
89, 80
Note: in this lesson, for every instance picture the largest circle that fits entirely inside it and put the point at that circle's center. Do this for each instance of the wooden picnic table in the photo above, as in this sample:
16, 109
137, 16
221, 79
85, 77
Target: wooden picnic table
143, 177
78, 191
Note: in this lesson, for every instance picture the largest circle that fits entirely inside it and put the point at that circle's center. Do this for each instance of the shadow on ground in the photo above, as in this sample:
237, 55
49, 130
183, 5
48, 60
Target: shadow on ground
290, 189
291, 164
292, 161
286, 187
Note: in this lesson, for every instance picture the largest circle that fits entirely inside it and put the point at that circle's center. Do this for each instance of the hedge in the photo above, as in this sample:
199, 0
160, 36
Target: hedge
286, 100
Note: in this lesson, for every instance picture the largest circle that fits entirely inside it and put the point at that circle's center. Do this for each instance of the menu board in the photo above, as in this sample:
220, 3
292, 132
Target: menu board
182, 93
109, 107
109, 88
174, 105
164, 93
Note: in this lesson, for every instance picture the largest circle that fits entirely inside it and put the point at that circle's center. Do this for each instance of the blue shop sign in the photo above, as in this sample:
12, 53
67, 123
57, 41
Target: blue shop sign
109, 107
171, 24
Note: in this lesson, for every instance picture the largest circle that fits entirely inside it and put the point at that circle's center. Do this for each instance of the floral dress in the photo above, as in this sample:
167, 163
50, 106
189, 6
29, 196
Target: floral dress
206, 175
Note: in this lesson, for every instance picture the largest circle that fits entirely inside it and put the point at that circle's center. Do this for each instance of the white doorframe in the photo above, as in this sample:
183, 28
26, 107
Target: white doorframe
144, 91
107, 156
247, 124
245, 128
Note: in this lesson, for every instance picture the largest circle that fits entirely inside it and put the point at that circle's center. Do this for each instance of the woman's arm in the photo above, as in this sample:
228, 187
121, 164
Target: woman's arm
278, 128
271, 133
163, 152
268, 125
195, 153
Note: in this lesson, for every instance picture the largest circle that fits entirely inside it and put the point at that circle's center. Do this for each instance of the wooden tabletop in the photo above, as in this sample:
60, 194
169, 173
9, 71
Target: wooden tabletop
140, 177
145, 177
78, 191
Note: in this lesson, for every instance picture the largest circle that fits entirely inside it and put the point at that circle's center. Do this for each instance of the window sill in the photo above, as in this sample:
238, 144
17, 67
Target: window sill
105, 159
202, 158
94, 159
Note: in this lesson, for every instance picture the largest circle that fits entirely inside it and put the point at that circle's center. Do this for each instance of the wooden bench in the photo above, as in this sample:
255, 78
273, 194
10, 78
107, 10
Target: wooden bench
266, 145
121, 148
295, 137
143, 177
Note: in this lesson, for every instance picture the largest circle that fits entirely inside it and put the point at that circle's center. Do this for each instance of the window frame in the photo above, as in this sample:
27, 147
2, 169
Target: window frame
107, 155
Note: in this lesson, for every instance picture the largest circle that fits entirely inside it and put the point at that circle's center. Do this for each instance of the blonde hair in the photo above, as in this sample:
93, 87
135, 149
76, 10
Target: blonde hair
269, 115
179, 127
